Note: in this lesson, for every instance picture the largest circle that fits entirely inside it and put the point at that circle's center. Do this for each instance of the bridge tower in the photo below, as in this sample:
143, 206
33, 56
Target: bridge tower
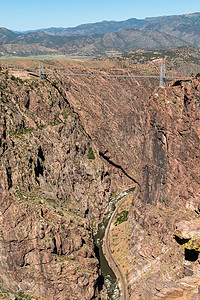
41, 71
162, 75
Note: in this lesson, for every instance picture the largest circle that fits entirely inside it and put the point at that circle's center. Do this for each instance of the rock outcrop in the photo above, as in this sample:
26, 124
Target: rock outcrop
66, 146
53, 193
187, 234
170, 181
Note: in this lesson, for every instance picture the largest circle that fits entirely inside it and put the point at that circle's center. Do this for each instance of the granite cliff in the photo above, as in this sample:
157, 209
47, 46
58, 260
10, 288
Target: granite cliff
69, 144
54, 187
169, 193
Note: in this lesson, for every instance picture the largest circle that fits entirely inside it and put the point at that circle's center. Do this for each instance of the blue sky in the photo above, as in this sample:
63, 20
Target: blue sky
26, 15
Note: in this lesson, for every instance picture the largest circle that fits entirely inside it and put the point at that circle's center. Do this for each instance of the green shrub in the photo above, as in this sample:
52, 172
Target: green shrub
13, 77
67, 113
55, 83
22, 296
198, 75
20, 131
90, 154
122, 217
41, 126
20, 80
55, 122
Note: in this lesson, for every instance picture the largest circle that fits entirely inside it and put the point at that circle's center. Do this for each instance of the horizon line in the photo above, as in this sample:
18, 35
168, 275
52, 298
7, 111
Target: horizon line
90, 23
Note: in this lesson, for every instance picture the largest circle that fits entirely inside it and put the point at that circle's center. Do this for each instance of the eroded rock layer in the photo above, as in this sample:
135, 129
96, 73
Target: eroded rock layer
170, 191
53, 189
66, 146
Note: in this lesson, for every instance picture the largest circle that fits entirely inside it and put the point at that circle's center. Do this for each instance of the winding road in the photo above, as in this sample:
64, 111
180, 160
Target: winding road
108, 254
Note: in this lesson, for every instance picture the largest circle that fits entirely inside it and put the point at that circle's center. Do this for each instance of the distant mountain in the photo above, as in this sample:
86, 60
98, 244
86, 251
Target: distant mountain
7, 35
91, 28
130, 39
39, 42
97, 28
104, 37
185, 27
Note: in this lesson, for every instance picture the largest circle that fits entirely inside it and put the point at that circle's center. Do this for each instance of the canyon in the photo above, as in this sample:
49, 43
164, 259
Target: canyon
70, 144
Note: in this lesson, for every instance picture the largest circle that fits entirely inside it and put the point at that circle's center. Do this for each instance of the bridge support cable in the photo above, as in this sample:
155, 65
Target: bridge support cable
162, 76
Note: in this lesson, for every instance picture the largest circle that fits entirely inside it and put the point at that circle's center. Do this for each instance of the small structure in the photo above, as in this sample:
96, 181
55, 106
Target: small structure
162, 75
41, 71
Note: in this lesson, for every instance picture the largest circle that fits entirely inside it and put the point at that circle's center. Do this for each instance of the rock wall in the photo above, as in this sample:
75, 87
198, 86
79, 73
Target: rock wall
53, 192
66, 146
169, 180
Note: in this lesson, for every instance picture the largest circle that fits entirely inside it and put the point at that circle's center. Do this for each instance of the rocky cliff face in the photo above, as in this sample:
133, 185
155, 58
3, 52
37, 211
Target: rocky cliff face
66, 146
54, 189
169, 189
171, 147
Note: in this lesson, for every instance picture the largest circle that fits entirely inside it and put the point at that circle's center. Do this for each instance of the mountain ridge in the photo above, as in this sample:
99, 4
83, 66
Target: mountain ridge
185, 27
101, 38
110, 26
96, 44
84, 29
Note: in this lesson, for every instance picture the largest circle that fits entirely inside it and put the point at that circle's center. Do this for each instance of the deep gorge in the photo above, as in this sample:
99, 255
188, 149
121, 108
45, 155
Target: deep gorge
54, 191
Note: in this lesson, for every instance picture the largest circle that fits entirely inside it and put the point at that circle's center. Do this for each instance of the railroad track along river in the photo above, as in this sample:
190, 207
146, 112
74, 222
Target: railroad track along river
106, 248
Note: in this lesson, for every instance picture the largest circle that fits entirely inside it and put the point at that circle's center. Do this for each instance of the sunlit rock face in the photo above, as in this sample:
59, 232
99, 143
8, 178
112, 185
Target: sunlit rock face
188, 234
170, 178
66, 146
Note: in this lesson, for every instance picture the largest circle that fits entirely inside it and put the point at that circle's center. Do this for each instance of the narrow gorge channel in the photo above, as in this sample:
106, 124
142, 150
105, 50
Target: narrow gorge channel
107, 273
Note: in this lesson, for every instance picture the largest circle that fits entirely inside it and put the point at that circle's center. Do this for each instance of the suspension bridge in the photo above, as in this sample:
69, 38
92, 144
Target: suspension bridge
162, 75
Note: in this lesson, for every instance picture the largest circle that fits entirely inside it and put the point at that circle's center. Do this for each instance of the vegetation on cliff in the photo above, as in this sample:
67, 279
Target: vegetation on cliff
66, 145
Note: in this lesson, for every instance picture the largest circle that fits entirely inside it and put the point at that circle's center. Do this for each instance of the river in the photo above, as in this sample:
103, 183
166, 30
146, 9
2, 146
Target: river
109, 277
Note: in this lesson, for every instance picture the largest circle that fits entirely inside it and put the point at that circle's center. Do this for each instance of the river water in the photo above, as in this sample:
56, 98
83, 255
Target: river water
109, 277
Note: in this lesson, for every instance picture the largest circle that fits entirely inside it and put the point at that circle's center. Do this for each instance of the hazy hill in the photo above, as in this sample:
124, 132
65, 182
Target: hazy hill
99, 27
6, 35
104, 37
93, 28
179, 26
185, 27
39, 42
131, 39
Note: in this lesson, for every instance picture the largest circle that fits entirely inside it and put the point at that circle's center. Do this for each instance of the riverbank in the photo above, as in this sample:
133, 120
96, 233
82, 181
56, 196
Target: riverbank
120, 235
108, 253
